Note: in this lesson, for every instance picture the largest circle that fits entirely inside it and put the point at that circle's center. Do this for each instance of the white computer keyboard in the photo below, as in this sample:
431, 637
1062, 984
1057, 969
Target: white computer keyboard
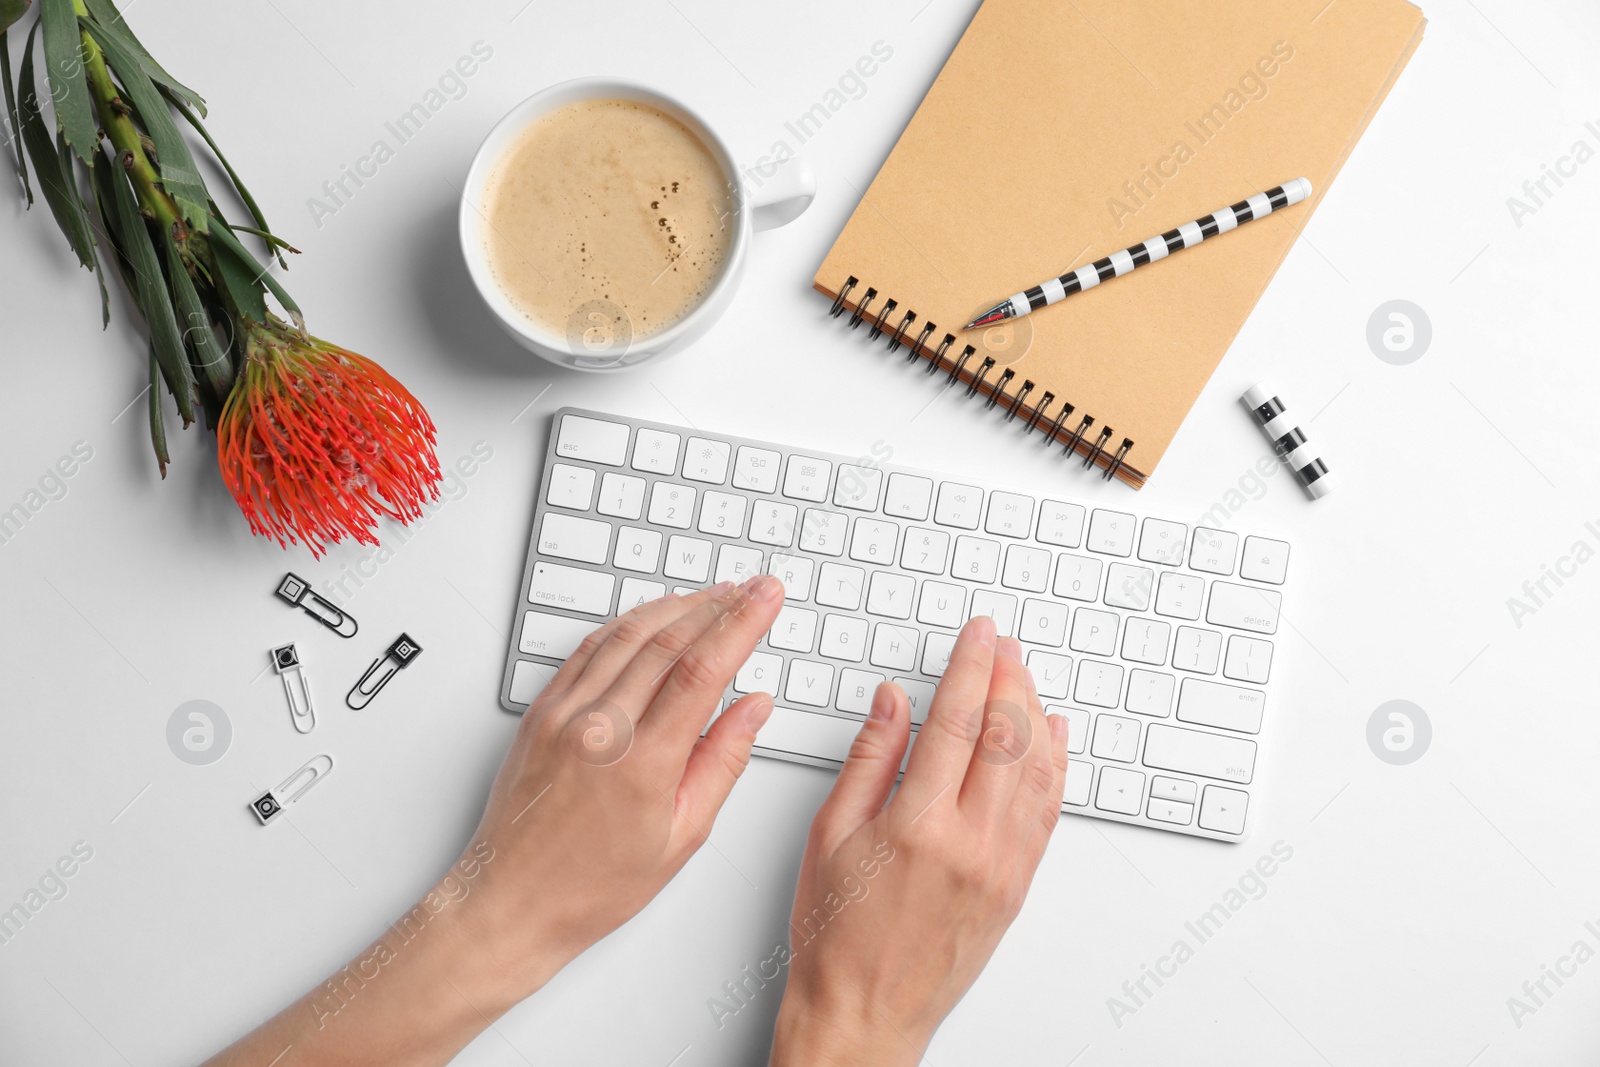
1154, 638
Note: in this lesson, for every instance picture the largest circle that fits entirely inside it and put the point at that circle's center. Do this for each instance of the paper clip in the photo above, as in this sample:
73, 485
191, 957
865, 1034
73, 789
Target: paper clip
269, 805
400, 655
297, 591
286, 661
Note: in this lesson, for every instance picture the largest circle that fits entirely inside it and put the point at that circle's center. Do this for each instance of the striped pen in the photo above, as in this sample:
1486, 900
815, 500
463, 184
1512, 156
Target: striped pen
1119, 263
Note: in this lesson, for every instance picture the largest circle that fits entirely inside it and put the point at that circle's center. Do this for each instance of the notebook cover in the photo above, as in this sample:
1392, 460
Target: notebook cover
1058, 133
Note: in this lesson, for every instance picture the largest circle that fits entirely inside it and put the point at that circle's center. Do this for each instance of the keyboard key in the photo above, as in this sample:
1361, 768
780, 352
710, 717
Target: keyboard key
844, 637
1051, 673
890, 594
1228, 707
1265, 560
735, 563
759, 674
1044, 622
637, 550
1094, 632
636, 591
873, 541
772, 522
1001, 607
1197, 650
1172, 748
656, 451
1249, 659
1161, 541
806, 733
1170, 811
722, 514
1128, 586
1145, 641
570, 537
920, 695
1223, 810
908, 497
1213, 550
1077, 728
810, 683
1179, 595
1010, 514
593, 440
621, 495
925, 550
942, 604
807, 479
794, 631
823, 532
706, 461
570, 487
857, 488
688, 558
1026, 568
1099, 683
573, 588
1150, 693
1111, 532
959, 505
977, 560
795, 573
671, 505
894, 647
528, 680
756, 469
1080, 776
841, 586
1115, 738
1077, 577
1244, 607
1180, 789
555, 636
1121, 790
856, 689
1060, 524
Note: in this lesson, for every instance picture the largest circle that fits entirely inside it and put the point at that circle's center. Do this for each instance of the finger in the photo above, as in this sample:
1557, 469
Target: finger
679, 691
1004, 738
871, 767
602, 655
944, 745
1047, 812
716, 763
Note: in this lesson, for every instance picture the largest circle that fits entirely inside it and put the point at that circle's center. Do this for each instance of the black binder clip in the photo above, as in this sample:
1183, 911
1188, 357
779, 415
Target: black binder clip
297, 591
400, 655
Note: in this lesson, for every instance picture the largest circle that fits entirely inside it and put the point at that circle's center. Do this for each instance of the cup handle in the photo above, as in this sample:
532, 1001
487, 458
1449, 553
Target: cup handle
784, 196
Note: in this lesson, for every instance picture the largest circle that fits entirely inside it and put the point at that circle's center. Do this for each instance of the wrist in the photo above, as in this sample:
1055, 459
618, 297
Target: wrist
840, 1030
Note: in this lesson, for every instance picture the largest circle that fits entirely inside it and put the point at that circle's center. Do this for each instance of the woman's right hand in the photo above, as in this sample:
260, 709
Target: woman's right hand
901, 902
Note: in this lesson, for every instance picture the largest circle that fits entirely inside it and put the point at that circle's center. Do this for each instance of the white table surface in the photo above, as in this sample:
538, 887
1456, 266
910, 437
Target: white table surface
1418, 898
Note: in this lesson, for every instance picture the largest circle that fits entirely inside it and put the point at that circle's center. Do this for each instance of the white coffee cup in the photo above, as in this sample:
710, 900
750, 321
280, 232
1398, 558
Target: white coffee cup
777, 201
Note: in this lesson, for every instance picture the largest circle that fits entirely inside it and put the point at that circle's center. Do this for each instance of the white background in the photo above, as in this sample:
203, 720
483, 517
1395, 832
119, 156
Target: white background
1418, 898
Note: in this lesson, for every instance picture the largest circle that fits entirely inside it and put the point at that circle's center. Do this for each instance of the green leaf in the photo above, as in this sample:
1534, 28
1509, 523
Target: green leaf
10, 12
107, 16
81, 211
54, 183
11, 113
150, 291
69, 88
178, 174
241, 279
223, 237
238, 185
158, 429
196, 324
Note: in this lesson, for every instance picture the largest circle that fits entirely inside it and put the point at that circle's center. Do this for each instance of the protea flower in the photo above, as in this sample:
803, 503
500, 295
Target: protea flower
315, 441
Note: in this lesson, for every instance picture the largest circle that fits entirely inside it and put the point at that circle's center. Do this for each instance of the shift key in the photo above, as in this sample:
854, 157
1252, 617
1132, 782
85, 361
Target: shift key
1172, 748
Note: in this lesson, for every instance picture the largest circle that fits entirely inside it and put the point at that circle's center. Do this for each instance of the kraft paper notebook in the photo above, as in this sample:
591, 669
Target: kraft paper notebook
1061, 131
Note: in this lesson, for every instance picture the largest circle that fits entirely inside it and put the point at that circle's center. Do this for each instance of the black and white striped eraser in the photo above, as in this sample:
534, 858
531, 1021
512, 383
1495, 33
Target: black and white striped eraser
1288, 440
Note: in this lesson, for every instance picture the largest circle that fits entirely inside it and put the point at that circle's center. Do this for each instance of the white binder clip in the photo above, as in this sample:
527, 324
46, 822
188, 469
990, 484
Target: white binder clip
297, 591
286, 661
269, 805
400, 654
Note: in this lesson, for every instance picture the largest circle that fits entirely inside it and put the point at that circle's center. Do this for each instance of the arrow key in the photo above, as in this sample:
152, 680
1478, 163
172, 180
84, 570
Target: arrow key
1223, 809
1122, 791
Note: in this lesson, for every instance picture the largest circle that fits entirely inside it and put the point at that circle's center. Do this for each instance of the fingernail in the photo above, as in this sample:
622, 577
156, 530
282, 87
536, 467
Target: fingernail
759, 714
764, 587
1011, 648
1058, 726
721, 589
882, 704
982, 627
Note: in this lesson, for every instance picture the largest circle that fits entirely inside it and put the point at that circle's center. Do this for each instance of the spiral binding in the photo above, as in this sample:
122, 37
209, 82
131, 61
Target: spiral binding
1074, 441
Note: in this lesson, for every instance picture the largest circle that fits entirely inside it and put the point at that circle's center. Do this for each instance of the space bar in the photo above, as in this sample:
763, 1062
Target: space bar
802, 733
